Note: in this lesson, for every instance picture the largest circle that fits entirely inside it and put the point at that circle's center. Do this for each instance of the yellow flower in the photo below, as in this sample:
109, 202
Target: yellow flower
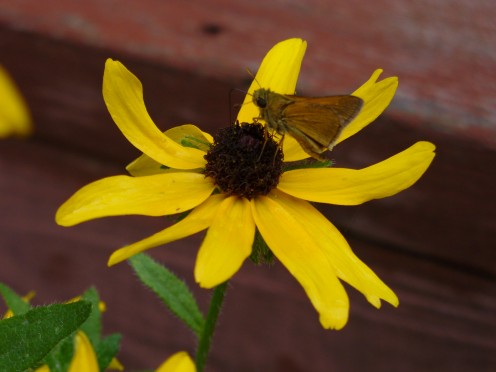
102, 306
14, 115
179, 362
84, 358
170, 178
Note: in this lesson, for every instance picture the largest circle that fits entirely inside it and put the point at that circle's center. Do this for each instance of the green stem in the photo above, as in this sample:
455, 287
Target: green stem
208, 329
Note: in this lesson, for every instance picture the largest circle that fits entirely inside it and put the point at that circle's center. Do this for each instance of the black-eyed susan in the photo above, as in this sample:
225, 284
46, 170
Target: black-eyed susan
235, 184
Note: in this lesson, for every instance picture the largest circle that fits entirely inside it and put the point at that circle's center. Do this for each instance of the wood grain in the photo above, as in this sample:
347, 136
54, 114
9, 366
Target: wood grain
433, 244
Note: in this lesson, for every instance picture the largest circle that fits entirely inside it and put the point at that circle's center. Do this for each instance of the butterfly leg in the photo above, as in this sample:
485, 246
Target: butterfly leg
279, 146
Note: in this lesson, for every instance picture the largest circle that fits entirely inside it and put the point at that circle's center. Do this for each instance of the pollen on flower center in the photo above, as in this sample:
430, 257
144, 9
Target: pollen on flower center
244, 161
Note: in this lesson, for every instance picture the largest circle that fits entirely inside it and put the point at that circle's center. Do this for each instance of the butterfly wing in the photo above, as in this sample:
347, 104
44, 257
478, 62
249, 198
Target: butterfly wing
323, 118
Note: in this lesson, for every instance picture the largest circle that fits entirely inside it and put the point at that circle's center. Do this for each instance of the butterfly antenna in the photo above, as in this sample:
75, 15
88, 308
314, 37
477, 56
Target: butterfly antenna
232, 105
253, 77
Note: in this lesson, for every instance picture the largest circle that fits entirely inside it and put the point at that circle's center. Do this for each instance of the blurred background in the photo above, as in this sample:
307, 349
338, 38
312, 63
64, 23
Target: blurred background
433, 244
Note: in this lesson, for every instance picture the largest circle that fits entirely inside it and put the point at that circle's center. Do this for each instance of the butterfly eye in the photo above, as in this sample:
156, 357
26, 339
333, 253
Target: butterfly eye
261, 102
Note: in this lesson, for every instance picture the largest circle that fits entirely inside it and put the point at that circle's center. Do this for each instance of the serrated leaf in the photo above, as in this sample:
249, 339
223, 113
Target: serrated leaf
170, 289
26, 339
107, 349
14, 302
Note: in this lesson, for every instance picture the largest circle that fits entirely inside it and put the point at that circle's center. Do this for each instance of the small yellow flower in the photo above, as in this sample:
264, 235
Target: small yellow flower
179, 362
102, 306
169, 178
84, 358
14, 116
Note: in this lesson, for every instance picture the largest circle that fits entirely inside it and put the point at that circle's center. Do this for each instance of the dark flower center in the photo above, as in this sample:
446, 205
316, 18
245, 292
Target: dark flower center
244, 160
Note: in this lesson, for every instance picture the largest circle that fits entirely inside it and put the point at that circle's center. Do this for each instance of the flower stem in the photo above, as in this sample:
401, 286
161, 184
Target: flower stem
208, 329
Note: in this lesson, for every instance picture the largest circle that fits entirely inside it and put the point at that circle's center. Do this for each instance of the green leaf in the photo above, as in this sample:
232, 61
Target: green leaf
107, 349
93, 325
307, 163
261, 253
59, 359
14, 302
170, 289
25, 339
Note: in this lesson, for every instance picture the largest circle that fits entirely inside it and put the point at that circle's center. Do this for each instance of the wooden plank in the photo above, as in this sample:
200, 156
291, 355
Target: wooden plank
63, 86
445, 320
443, 52
433, 244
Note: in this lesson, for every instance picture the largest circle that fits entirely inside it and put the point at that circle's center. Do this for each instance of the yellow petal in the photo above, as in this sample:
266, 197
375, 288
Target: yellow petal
179, 362
199, 219
115, 365
14, 114
351, 187
301, 253
102, 306
186, 135
376, 97
43, 368
123, 95
190, 135
146, 166
156, 195
84, 359
227, 244
292, 150
278, 72
347, 266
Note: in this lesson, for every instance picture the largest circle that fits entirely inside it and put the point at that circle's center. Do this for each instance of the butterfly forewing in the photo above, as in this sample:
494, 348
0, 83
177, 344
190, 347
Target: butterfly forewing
323, 118
315, 123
